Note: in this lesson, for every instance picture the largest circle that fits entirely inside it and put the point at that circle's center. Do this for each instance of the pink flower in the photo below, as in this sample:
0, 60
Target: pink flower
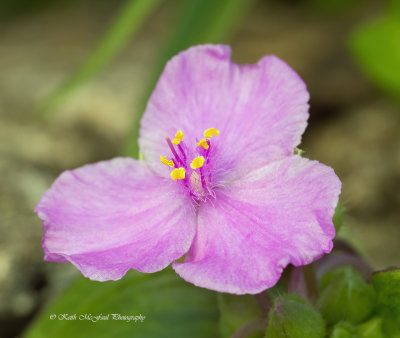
228, 193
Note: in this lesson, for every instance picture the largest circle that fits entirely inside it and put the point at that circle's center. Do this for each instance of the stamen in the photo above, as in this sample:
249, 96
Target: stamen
203, 143
178, 174
197, 162
178, 137
210, 132
164, 160
177, 158
199, 181
182, 152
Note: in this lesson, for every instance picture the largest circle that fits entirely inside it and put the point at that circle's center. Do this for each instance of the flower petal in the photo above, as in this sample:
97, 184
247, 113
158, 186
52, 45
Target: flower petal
112, 216
261, 110
276, 215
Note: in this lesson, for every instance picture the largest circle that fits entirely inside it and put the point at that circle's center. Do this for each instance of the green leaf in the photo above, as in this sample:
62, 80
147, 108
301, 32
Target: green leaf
371, 329
387, 287
199, 22
130, 18
376, 47
345, 296
172, 308
344, 330
293, 317
236, 312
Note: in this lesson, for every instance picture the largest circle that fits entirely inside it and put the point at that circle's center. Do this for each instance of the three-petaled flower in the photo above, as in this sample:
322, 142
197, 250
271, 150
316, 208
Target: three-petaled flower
227, 191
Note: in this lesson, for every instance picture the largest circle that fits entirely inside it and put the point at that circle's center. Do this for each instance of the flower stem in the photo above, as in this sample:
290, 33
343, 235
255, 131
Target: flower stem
255, 326
311, 281
264, 302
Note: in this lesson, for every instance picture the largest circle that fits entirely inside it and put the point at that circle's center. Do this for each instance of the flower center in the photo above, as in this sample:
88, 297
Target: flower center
194, 172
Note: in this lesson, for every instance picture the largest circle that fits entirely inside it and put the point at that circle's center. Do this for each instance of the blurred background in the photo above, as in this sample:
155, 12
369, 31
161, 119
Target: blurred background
75, 77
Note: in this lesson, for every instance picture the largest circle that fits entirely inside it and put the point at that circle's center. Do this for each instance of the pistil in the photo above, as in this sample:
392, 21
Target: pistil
203, 181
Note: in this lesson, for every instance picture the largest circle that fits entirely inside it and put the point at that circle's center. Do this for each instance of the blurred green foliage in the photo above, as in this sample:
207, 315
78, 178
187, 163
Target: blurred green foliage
344, 330
371, 329
14, 9
128, 21
11, 8
172, 308
376, 47
332, 6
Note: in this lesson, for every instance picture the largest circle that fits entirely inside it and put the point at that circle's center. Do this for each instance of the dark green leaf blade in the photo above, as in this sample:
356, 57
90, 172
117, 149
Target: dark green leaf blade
172, 308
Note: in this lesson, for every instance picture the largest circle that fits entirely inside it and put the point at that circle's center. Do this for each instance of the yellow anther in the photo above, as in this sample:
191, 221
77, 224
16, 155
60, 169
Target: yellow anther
178, 137
203, 143
164, 160
210, 132
197, 162
178, 174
